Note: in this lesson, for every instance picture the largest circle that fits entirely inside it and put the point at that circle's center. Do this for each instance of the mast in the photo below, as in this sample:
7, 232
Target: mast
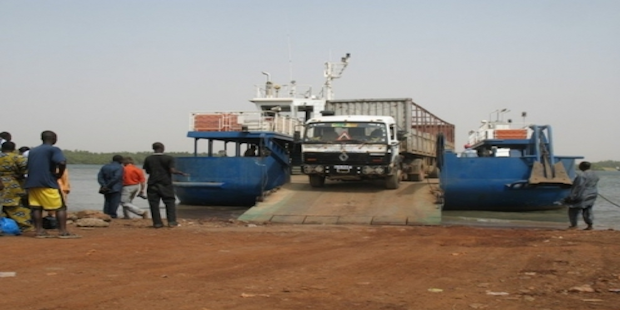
333, 71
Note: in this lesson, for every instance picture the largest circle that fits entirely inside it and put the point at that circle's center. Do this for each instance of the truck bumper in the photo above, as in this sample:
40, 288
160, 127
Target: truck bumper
334, 171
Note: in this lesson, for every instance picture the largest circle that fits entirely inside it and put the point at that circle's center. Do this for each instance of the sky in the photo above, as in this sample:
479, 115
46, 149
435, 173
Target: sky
111, 76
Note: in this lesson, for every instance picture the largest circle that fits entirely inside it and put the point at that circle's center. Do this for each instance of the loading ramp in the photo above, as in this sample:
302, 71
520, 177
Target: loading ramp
364, 203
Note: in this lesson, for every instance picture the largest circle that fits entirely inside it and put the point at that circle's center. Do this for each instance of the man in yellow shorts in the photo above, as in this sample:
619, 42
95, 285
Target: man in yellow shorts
42, 184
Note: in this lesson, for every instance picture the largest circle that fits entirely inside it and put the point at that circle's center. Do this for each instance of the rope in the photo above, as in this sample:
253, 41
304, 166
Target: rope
432, 186
613, 203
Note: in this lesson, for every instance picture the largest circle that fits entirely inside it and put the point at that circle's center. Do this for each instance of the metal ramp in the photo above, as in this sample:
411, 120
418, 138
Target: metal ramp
363, 203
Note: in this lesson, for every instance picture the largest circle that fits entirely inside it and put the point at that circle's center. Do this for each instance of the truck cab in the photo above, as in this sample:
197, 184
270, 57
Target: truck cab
350, 148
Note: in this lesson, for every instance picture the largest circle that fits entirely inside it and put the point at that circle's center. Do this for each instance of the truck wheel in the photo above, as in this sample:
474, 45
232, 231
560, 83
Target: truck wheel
416, 177
316, 180
433, 172
393, 181
418, 165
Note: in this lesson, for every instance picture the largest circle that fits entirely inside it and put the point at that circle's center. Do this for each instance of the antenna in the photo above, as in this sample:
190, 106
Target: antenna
290, 51
498, 113
290, 56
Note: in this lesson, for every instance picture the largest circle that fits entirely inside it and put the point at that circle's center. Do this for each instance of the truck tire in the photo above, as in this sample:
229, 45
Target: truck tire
433, 172
416, 177
419, 166
316, 180
393, 181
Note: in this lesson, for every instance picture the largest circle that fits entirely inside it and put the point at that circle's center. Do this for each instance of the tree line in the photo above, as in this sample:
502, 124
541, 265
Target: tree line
77, 157
606, 165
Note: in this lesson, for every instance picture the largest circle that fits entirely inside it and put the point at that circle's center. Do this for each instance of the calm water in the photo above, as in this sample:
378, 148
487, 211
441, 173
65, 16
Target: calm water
606, 214
84, 196
84, 187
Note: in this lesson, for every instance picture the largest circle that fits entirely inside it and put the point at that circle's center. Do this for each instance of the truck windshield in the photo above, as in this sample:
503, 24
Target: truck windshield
346, 132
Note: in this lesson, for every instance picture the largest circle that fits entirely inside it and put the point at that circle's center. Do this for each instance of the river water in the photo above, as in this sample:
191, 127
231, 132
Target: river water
84, 196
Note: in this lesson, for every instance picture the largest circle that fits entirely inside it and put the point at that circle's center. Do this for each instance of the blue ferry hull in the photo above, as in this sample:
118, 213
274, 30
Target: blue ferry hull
232, 180
228, 181
498, 184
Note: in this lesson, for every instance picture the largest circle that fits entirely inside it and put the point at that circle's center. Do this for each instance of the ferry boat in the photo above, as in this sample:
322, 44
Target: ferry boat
220, 172
505, 169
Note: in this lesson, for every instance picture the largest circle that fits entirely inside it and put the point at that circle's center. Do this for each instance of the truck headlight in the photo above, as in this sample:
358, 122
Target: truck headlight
318, 169
379, 170
367, 170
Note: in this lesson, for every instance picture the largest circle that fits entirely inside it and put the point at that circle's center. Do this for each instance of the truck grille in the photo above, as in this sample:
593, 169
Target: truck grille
313, 158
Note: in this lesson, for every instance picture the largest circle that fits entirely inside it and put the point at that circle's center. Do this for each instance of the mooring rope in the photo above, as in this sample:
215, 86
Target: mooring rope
433, 188
613, 203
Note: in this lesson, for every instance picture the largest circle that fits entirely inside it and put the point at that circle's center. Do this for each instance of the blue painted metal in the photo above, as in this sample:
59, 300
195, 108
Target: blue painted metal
501, 183
233, 181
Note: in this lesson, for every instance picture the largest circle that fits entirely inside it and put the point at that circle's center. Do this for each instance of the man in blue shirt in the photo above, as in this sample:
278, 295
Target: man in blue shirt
110, 179
47, 163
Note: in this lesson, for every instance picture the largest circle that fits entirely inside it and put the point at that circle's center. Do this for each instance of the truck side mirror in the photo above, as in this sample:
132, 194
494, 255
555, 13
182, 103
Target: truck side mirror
401, 135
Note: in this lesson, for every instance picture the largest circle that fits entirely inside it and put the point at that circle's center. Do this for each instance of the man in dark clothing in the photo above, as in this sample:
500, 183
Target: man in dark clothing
160, 168
110, 179
582, 196
251, 151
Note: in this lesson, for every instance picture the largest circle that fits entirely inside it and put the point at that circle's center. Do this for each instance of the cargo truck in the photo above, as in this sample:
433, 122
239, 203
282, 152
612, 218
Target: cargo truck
364, 139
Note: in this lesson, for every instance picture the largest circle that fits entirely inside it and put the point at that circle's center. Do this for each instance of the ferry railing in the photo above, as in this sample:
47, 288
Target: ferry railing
498, 131
244, 121
284, 91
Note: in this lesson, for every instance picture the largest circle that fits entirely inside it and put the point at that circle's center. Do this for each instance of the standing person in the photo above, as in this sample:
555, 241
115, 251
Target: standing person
65, 189
160, 168
47, 163
582, 196
24, 151
110, 179
12, 170
251, 151
5, 137
65, 185
1, 189
134, 183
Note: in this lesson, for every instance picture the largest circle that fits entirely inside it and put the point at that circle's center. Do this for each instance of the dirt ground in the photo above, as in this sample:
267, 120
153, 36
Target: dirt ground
219, 264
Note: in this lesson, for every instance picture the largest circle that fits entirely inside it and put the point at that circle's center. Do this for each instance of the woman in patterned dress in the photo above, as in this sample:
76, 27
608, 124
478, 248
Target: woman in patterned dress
12, 171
